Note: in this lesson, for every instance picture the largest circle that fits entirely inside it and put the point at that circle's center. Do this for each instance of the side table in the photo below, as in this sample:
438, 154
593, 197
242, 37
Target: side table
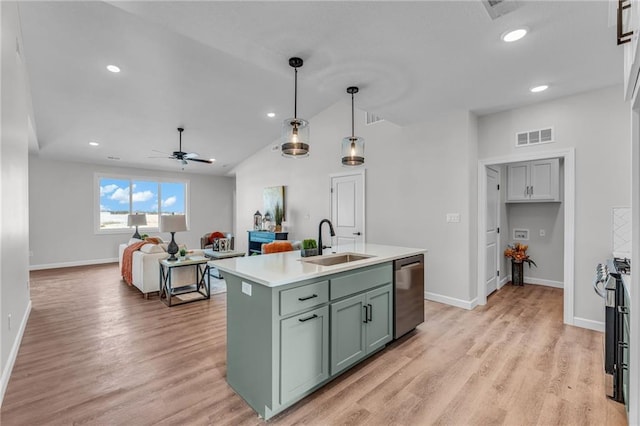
201, 286
221, 255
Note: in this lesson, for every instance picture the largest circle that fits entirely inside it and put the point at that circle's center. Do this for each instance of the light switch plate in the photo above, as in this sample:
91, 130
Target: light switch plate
453, 217
246, 288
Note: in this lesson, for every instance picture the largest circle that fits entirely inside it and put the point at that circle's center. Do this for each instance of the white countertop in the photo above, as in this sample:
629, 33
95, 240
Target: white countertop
277, 269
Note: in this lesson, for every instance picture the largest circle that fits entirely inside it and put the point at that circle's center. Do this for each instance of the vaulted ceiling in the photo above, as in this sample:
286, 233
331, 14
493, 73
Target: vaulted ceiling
217, 68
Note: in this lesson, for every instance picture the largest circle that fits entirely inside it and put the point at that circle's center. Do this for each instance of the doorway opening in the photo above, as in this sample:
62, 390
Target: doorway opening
568, 218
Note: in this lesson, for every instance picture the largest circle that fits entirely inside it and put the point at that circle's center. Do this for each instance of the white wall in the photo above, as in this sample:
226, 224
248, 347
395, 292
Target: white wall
414, 176
61, 199
14, 205
597, 124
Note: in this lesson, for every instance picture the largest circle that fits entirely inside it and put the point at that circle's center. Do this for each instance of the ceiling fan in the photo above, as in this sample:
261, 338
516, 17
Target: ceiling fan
182, 156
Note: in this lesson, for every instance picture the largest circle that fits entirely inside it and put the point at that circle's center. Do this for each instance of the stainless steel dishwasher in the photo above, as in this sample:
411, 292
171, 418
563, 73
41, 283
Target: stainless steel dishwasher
408, 285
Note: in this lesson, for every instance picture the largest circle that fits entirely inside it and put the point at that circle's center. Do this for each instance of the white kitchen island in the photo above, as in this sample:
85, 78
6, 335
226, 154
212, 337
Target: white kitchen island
293, 325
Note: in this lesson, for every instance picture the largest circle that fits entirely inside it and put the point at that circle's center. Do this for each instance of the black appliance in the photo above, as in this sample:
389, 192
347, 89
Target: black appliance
608, 285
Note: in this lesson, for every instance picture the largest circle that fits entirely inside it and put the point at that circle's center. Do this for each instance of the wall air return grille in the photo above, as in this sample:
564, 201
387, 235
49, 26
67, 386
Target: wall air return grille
534, 137
372, 118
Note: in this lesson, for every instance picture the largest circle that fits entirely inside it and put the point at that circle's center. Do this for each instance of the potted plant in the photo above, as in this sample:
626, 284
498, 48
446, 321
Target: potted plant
183, 253
279, 214
518, 254
309, 248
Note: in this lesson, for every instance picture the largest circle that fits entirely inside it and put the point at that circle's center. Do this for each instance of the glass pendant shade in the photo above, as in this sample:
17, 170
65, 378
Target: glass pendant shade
295, 138
295, 131
352, 151
352, 146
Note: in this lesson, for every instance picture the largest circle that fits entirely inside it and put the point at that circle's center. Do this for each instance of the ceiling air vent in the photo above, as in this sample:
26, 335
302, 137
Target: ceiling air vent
497, 8
534, 137
372, 118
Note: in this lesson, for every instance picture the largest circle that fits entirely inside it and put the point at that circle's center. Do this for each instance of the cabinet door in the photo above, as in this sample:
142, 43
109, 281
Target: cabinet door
379, 329
347, 332
517, 182
304, 352
544, 180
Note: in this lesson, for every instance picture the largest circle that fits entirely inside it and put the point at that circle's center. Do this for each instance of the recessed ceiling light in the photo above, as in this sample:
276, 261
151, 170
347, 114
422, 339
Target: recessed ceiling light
113, 68
271, 114
540, 88
514, 35
92, 143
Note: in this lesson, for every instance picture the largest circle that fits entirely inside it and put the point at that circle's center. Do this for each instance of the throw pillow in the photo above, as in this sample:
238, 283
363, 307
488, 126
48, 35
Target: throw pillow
151, 248
215, 235
133, 241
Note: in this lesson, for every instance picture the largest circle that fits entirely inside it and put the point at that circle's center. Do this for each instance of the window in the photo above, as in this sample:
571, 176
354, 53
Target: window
120, 196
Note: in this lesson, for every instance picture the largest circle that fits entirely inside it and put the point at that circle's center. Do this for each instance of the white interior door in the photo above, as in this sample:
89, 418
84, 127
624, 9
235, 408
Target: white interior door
347, 208
493, 202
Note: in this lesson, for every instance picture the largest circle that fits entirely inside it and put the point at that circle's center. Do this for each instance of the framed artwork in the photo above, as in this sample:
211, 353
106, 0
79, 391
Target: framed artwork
272, 197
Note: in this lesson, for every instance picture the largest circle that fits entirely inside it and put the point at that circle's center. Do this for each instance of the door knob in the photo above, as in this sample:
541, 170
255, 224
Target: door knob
357, 233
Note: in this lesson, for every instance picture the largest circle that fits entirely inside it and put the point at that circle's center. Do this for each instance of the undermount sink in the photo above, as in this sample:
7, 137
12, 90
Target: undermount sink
335, 259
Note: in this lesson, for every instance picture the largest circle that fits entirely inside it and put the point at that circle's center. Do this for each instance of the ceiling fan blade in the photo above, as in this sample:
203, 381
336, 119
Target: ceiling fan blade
200, 161
191, 155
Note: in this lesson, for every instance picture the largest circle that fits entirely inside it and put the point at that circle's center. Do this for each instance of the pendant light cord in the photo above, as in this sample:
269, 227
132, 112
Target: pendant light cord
353, 132
295, 95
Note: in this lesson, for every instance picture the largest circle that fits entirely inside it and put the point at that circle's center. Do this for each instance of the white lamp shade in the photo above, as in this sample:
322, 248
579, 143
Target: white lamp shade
137, 220
173, 223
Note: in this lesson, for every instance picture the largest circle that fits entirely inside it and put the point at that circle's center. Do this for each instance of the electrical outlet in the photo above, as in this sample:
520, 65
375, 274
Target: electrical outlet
30, 253
543, 233
246, 288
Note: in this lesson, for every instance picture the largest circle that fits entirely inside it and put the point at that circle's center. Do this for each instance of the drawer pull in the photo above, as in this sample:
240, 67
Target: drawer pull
308, 318
302, 299
623, 310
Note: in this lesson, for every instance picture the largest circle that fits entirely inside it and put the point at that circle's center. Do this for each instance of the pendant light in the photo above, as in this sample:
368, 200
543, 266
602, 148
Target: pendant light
352, 146
295, 131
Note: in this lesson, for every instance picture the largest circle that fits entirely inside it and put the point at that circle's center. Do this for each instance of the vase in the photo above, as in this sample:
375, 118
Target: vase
517, 273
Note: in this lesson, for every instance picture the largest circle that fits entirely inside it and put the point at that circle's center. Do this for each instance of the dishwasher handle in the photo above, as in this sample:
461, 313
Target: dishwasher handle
409, 262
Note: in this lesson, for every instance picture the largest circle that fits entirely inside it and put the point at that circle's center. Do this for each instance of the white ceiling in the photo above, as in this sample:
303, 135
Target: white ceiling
217, 68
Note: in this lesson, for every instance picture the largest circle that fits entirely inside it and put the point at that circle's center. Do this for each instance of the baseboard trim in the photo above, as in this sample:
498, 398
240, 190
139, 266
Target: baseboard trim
13, 355
540, 281
459, 303
589, 324
503, 282
71, 264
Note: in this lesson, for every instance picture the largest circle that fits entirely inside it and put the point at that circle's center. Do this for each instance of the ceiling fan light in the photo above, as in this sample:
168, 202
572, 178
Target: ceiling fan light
295, 131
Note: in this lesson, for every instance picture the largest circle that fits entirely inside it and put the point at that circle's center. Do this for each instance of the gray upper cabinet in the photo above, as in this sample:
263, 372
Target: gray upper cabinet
533, 181
304, 352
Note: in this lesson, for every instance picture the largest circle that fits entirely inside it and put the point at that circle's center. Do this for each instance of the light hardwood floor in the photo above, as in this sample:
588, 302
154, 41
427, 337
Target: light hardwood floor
96, 352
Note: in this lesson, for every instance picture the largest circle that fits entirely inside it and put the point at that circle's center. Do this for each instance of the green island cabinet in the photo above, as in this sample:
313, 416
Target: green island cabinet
285, 342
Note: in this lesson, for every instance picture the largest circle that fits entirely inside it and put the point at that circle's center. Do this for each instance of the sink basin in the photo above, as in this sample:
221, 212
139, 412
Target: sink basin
335, 259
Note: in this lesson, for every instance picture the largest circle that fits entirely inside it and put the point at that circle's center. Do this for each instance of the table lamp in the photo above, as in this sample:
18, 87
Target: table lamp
173, 224
136, 220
